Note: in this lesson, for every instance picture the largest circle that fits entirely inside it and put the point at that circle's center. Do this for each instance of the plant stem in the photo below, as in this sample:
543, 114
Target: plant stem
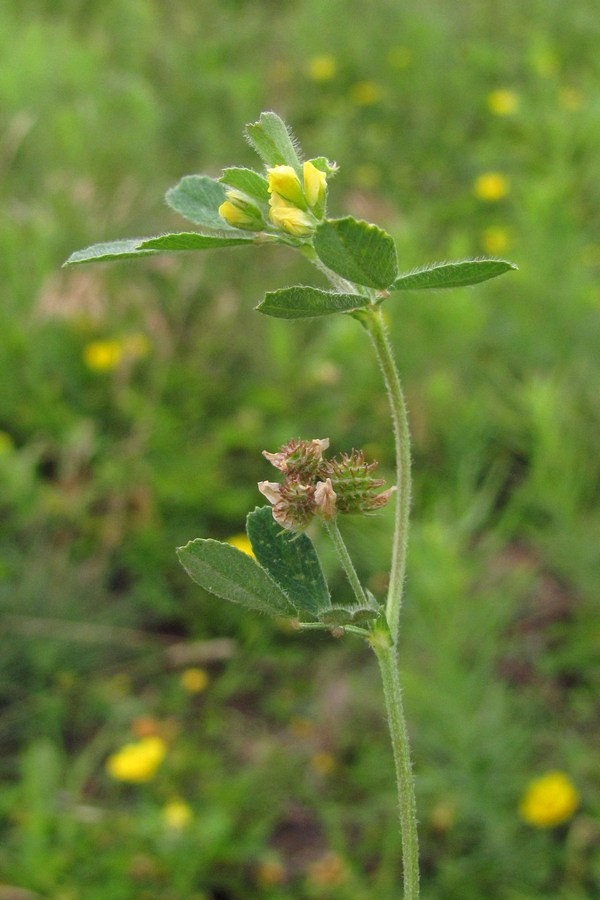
344, 558
377, 330
387, 658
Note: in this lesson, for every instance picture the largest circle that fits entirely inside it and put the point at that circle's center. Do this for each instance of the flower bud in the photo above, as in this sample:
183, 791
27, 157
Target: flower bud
325, 500
289, 218
315, 185
239, 211
284, 181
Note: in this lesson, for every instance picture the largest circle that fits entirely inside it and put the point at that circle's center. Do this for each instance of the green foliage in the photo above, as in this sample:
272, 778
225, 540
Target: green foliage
357, 251
306, 302
103, 472
291, 561
451, 275
197, 198
272, 140
232, 575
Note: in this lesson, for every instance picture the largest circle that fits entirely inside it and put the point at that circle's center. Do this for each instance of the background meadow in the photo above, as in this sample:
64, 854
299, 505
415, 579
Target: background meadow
135, 400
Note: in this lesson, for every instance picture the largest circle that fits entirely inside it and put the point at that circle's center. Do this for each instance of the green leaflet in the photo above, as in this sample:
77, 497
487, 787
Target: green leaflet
357, 251
232, 575
134, 247
303, 302
290, 560
273, 142
192, 240
451, 275
108, 251
247, 181
197, 198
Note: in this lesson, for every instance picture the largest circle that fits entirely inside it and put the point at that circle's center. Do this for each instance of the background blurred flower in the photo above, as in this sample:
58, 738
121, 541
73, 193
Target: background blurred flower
241, 542
365, 93
137, 762
194, 680
495, 240
103, 356
502, 102
491, 186
322, 68
549, 800
177, 815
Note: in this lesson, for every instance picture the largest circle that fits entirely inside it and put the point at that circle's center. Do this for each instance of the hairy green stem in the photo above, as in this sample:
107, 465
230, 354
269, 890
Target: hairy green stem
344, 558
377, 330
388, 666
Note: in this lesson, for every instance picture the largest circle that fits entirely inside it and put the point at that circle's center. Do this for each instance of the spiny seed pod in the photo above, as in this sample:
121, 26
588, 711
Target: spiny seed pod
298, 457
354, 484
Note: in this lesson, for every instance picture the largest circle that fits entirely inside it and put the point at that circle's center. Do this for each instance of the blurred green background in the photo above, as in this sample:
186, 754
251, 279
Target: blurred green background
135, 400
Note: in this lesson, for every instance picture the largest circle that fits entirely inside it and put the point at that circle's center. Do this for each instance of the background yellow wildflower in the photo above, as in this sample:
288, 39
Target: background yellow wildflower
491, 186
549, 800
137, 762
194, 680
502, 102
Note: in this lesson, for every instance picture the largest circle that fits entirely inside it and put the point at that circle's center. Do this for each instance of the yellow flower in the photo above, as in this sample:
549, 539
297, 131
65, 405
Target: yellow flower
502, 102
238, 217
177, 815
315, 184
549, 800
103, 356
194, 680
495, 240
137, 762
290, 218
491, 186
322, 68
241, 542
365, 93
284, 181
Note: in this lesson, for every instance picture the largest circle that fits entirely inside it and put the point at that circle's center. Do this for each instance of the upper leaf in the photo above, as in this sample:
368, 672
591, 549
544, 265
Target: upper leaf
232, 575
108, 251
303, 302
273, 141
197, 198
248, 181
357, 251
290, 560
451, 275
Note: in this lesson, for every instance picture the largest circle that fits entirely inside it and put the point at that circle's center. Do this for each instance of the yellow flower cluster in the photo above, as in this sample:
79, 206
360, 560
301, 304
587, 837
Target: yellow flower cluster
104, 356
549, 800
293, 204
137, 762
